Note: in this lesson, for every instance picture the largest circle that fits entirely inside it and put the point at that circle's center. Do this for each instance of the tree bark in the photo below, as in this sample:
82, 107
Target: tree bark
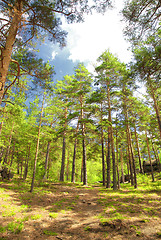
138, 149
155, 106
108, 159
27, 163
63, 149
111, 139
37, 146
147, 141
6, 52
83, 143
103, 154
122, 166
9, 145
47, 160
117, 161
74, 155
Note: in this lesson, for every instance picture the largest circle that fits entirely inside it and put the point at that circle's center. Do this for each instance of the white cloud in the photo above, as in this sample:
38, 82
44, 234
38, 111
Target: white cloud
54, 53
87, 41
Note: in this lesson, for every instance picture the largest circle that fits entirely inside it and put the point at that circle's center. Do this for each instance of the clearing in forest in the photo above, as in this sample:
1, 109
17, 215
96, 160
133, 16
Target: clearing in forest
72, 211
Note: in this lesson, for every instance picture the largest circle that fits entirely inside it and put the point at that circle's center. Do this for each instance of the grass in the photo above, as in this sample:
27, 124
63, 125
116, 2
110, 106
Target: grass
36, 216
15, 227
53, 215
50, 233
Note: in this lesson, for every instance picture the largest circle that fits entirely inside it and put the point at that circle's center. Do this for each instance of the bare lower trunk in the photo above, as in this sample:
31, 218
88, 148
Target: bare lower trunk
67, 170
122, 166
46, 160
74, 156
73, 163
108, 159
9, 145
37, 146
27, 163
63, 160
147, 141
117, 162
63, 149
138, 150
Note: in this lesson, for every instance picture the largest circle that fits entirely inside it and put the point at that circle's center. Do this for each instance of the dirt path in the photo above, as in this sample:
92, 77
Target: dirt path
70, 212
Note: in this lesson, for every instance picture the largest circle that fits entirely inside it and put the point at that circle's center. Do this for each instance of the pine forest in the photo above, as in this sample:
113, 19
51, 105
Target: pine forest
79, 156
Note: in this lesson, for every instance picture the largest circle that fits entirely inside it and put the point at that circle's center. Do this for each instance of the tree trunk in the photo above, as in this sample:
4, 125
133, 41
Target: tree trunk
156, 155
74, 156
67, 170
122, 166
63, 149
111, 139
155, 106
103, 155
83, 144
9, 145
117, 161
6, 52
1, 125
129, 142
152, 174
13, 152
37, 146
138, 150
46, 160
27, 163
108, 159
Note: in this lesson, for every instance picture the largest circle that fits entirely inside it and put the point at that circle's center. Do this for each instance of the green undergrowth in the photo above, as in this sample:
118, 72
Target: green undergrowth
124, 204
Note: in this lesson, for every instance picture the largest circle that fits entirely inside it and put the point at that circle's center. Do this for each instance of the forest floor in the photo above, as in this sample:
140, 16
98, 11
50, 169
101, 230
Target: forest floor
71, 211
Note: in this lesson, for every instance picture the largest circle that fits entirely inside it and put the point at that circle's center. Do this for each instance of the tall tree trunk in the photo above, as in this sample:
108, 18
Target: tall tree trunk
129, 142
147, 141
74, 155
63, 149
47, 159
6, 52
37, 146
117, 161
9, 145
155, 106
156, 155
103, 155
1, 125
27, 163
122, 166
83, 144
67, 169
111, 139
138, 149
13, 152
108, 159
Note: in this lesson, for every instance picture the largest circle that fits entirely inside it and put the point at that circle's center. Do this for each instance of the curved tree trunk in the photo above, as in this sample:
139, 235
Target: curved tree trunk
6, 52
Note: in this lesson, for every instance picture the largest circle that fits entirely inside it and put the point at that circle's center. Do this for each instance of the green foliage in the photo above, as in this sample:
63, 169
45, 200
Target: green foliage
50, 233
15, 227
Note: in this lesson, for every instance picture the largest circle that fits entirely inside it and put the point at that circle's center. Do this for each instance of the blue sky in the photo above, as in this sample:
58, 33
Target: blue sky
87, 41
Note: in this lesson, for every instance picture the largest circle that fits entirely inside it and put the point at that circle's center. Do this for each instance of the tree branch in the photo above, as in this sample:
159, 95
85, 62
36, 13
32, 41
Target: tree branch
17, 76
